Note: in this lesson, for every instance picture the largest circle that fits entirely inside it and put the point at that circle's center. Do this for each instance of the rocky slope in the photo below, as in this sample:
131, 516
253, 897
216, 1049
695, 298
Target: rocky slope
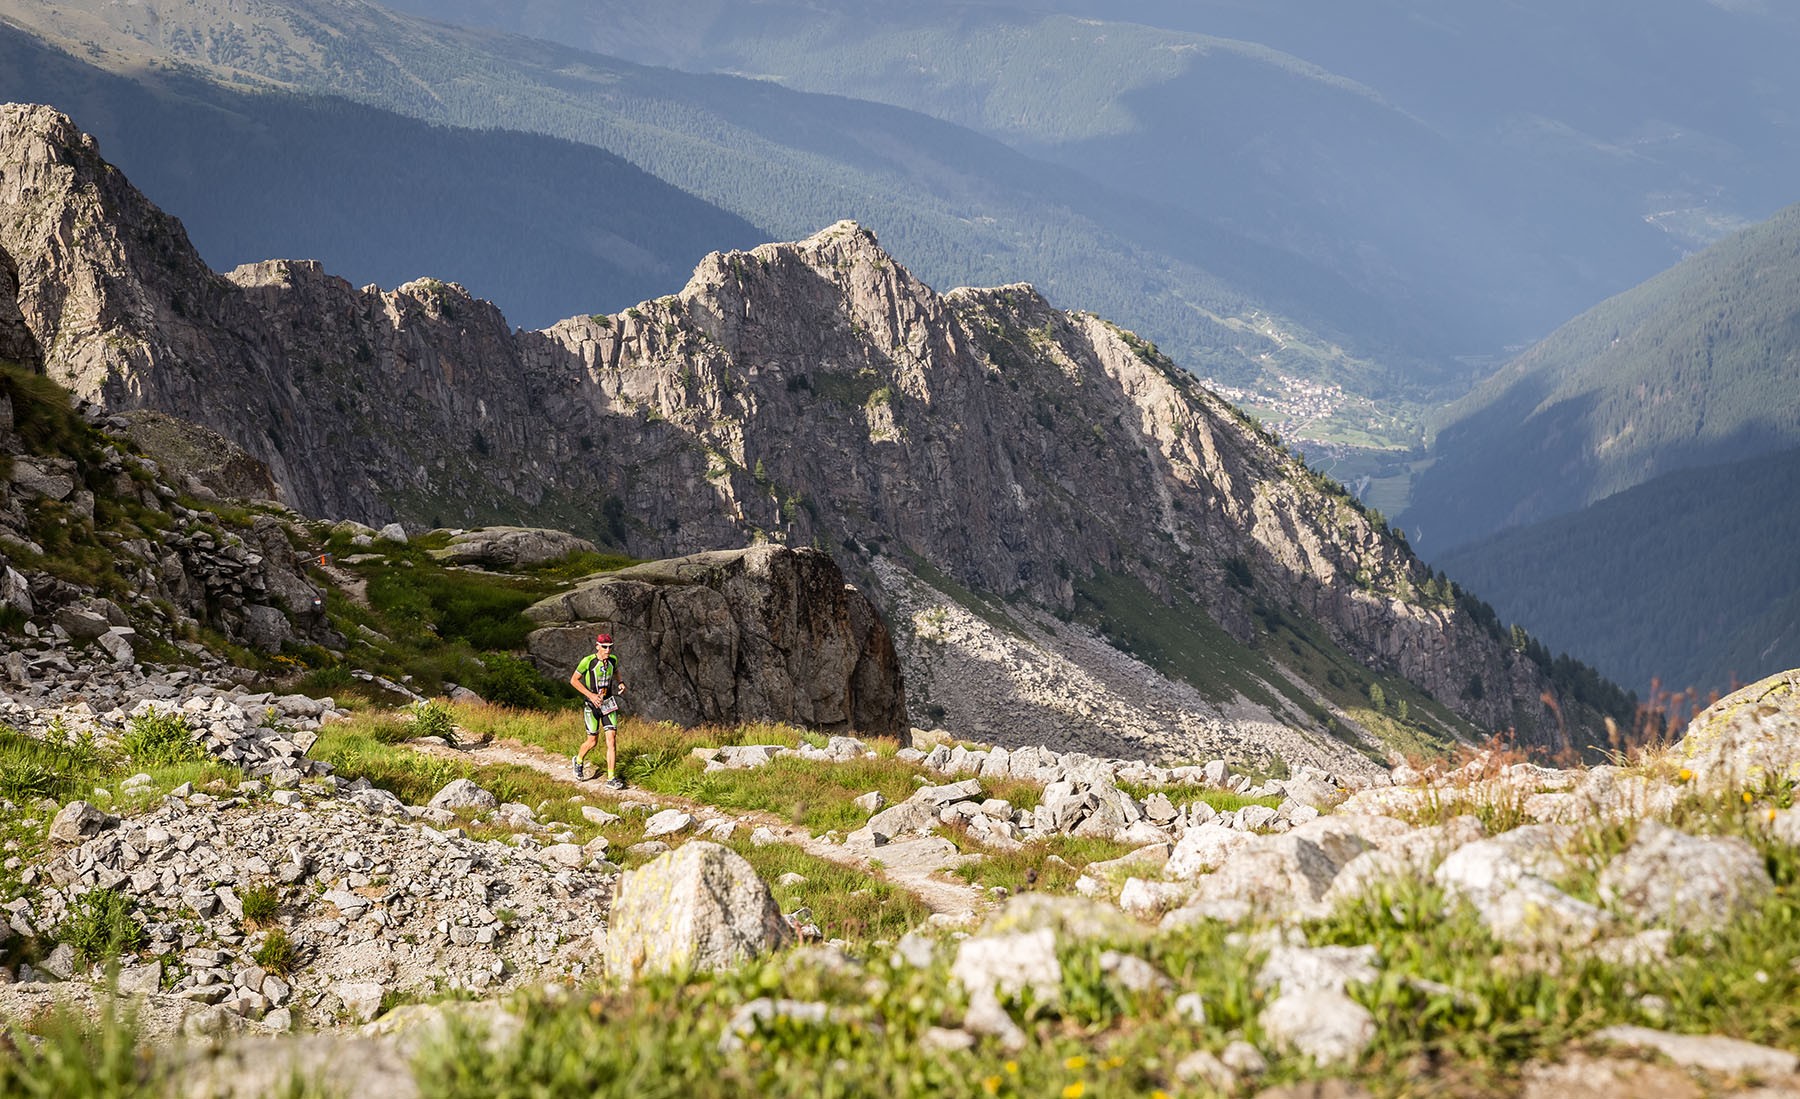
812, 393
1382, 935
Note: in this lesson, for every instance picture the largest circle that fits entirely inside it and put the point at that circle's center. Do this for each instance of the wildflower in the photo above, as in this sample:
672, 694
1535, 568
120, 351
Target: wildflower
1687, 774
1112, 1062
1075, 1090
1075, 1063
1748, 798
991, 1085
1159, 1094
1011, 1067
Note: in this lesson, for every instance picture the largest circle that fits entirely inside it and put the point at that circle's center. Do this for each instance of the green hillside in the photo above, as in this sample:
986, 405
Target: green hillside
1692, 578
546, 229
1695, 366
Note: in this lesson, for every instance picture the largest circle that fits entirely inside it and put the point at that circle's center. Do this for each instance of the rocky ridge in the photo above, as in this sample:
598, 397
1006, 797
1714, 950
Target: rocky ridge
1070, 453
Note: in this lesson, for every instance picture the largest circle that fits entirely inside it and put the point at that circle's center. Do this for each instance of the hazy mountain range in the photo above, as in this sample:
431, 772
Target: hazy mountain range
1489, 169
1625, 488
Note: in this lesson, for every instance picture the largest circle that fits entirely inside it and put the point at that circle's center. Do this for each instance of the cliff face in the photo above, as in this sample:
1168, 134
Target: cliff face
735, 636
810, 393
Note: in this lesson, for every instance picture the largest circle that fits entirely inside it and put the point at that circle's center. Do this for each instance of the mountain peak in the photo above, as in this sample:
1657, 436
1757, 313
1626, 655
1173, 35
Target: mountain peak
811, 393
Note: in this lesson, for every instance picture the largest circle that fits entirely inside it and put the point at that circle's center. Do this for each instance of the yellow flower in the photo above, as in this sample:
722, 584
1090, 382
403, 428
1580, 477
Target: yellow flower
1112, 1062
1011, 1067
991, 1085
1074, 1091
1687, 775
1159, 1094
1075, 1063
1747, 798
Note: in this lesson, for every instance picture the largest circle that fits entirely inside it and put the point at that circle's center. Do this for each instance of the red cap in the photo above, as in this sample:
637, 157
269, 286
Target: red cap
603, 638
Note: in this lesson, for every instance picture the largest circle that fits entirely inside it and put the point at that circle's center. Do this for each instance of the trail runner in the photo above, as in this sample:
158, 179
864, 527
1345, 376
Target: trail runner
597, 678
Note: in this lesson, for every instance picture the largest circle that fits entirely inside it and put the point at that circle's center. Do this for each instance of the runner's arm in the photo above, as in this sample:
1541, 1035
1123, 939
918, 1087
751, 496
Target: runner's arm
575, 682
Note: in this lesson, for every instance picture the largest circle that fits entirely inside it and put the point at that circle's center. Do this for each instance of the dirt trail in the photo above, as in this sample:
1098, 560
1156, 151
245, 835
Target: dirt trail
352, 585
916, 866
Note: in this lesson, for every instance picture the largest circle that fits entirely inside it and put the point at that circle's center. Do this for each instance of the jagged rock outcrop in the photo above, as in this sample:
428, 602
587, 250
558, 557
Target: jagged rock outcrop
199, 460
812, 393
761, 634
510, 547
17, 345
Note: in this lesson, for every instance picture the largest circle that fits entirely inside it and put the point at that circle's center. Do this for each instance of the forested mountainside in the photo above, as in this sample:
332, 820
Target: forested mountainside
545, 228
1497, 168
1695, 366
1691, 579
813, 393
965, 208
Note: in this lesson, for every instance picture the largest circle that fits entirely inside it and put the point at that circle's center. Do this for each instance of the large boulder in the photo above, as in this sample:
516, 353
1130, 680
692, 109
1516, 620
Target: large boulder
698, 907
1698, 882
1746, 737
760, 634
510, 547
199, 459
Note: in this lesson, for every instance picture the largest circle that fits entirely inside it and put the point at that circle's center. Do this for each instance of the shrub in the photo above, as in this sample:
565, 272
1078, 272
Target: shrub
507, 680
100, 926
58, 767
261, 906
156, 739
277, 954
433, 719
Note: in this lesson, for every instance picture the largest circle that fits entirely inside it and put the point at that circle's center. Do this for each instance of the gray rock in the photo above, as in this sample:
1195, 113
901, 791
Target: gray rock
937, 1039
61, 962
139, 979
699, 907
1327, 1026
1535, 914
565, 854
1203, 850
1150, 899
871, 802
1710, 1052
899, 820
1700, 882
1496, 863
361, 999
1133, 973
1301, 969
77, 821
593, 814
463, 793
510, 547
669, 822
1202, 1067
939, 796
985, 1016
1009, 963
1750, 732
393, 532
